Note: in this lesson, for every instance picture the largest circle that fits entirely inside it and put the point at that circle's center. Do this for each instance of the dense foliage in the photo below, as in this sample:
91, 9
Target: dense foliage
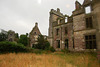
16, 37
52, 49
3, 35
24, 40
42, 43
6, 47
20, 43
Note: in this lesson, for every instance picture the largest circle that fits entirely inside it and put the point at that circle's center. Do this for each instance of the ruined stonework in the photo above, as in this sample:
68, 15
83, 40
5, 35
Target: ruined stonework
11, 36
82, 30
58, 36
96, 15
34, 34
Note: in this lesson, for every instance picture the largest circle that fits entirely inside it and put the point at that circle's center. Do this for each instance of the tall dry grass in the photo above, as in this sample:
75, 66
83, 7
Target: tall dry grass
32, 60
48, 60
81, 59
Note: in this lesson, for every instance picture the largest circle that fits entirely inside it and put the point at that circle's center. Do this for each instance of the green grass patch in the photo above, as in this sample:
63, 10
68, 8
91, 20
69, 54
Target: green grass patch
80, 59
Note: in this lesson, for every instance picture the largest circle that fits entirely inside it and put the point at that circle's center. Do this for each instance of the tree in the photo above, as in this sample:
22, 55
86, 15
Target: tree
24, 40
42, 43
16, 37
3, 35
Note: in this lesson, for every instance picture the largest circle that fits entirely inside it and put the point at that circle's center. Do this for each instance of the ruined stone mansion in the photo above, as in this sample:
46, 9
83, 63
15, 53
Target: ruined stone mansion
81, 31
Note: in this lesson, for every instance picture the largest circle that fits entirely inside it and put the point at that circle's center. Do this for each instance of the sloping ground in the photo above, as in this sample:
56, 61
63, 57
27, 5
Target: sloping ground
48, 60
80, 59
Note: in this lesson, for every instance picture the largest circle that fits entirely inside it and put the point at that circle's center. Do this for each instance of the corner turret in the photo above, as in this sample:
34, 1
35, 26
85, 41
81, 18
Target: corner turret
56, 12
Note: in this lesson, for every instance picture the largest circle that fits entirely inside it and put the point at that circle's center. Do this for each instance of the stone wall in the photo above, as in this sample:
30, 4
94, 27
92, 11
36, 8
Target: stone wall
11, 36
79, 39
54, 15
79, 22
34, 34
96, 15
77, 28
62, 36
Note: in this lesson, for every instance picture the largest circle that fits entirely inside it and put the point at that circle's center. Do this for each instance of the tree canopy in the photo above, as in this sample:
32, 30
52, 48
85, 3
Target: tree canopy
24, 39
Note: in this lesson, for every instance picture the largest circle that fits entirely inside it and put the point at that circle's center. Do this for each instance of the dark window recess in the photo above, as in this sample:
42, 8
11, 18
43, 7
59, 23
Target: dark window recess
60, 21
57, 31
66, 31
58, 43
35, 33
10, 39
73, 43
90, 41
33, 45
89, 22
66, 43
11, 34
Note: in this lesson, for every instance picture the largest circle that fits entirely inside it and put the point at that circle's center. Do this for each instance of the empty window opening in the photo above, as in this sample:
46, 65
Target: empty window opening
10, 39
58, 43
88, 9
35, 33
73, 44
66, 31
58, 21
90, 41
11, 34
89, 22
57, 31
61, 20
33, 45
66, 43
66, 20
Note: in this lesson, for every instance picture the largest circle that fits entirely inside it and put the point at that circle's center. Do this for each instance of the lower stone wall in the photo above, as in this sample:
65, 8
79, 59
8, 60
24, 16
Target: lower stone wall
62, 36
79, 38
50, 40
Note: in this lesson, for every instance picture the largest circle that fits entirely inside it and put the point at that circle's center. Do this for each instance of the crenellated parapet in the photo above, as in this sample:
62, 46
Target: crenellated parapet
56, 12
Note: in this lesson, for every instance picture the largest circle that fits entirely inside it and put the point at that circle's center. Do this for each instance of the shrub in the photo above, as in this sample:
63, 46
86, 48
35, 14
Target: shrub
43, 44
6, 47
23, 40
3, 36
47, 45
52, 49
65, 50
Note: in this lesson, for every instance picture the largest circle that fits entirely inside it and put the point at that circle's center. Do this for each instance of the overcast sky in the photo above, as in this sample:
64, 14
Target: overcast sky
21, 15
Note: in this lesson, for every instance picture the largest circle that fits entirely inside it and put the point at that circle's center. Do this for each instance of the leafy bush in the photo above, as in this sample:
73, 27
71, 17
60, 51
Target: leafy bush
65, 50
52, 49
43, 44
24, 40
6, 47
3, 36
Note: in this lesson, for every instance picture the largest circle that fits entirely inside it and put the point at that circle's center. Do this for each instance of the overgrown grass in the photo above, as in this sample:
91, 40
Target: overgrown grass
80, 59
56, 59
31, 60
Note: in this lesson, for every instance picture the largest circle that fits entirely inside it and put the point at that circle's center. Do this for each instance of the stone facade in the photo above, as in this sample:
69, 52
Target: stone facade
96, 14
82, 30
59, 31
34, 34
11, 36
